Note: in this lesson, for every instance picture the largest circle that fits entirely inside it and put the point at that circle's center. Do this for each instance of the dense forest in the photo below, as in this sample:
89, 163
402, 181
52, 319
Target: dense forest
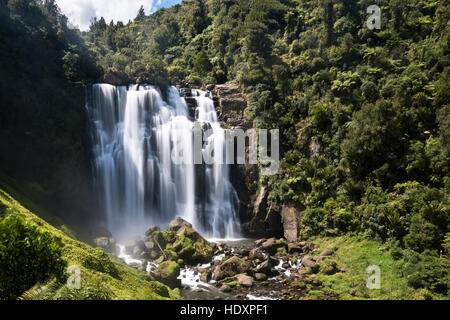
375, 104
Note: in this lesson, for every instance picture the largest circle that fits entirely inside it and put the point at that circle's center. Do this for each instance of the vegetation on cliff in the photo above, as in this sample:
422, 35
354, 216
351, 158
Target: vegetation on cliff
44, 66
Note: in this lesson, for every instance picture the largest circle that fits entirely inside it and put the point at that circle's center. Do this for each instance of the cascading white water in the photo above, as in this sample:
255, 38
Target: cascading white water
220, 212
134, 135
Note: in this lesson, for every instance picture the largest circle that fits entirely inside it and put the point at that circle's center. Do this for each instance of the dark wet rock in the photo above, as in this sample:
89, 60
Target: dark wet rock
294, 248
150, 231
272, 245
231, 100
265, 221
244, 253
178, 223
256, 254
266, 267
230, 268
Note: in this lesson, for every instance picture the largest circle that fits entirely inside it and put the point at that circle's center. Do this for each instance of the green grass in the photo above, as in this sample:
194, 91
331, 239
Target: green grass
354, 254
122, 281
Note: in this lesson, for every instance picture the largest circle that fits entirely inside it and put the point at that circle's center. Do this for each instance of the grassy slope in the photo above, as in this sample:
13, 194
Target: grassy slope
354, 255
123, 281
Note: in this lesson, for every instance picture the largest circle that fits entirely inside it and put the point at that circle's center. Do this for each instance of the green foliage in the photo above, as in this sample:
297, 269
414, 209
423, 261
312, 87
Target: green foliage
428, 272
202, 65
54, 290
28, 255
374, 141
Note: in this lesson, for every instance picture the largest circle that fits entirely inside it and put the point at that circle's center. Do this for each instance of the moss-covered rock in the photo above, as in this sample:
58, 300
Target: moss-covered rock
191, 247
168, 273
329, 267
230, 268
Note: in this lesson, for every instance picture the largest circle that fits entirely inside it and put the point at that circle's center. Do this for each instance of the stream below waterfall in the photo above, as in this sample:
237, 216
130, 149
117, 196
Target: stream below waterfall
193, 288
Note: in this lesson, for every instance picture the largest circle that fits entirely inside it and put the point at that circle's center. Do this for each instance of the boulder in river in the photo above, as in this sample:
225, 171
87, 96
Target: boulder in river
191, 246
230, 268
260, 277
272, 245
244, 280
225, 288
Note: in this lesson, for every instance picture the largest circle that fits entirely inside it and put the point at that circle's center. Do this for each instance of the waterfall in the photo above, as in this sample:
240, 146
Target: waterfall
134, 135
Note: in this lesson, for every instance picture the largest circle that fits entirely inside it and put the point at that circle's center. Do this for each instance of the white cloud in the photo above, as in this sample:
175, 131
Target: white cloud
80, 12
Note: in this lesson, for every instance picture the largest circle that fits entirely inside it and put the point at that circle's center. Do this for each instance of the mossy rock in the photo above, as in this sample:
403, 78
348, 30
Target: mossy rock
184, 247
203, 251
230, 268
329, 267
169, 236
192, 252
159, 238
168, 273
170, 255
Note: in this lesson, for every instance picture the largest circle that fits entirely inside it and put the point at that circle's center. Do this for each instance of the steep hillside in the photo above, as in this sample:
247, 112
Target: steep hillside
102, 276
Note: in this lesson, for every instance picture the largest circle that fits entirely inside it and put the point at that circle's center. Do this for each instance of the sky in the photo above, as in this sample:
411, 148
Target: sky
80, 12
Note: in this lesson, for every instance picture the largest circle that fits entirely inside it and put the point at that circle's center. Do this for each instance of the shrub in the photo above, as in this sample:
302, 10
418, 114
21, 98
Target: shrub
427, 272
369, 91
89, 290
28, 255
329, 267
